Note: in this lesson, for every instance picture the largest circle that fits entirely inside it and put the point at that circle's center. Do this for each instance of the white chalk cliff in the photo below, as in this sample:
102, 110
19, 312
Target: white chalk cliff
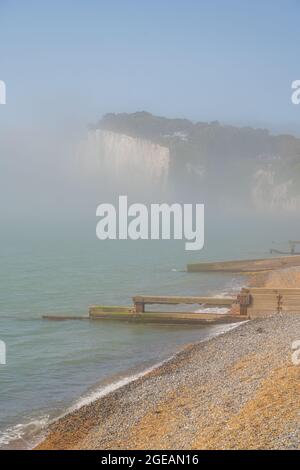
119, 157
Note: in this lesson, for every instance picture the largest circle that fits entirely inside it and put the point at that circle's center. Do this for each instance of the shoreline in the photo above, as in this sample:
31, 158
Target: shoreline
203, 388
29, 433
95, 392
126, 379
139, 372
215, 394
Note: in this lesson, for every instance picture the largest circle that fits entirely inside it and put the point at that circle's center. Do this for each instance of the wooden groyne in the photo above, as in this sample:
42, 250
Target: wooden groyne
262, 301
292, 249
138, 314
246, 266
248, 304
140, 301
171, 318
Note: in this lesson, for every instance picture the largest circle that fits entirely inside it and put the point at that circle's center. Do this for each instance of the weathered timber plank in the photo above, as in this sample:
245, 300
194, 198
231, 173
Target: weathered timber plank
64, 317
254, 313
170, 318
265, 290
110, 308
176, 300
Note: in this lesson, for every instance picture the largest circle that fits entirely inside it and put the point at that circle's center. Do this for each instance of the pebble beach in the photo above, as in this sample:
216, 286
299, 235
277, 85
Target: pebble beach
239, 390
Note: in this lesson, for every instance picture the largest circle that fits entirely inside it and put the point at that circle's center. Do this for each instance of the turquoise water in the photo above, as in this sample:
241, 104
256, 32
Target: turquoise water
53, 365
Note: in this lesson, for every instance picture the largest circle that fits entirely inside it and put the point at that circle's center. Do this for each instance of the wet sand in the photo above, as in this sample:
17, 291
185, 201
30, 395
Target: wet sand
239, 390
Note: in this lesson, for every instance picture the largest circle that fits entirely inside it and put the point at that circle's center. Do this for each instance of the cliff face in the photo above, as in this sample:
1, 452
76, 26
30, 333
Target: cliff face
272, 192
216, 162
120, 157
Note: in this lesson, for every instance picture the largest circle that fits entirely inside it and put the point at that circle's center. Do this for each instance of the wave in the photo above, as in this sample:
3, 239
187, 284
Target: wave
219, 310
28, 434
101, 391
22, 435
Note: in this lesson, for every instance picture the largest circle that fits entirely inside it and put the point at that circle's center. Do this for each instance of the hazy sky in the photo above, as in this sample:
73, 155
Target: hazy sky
68, 62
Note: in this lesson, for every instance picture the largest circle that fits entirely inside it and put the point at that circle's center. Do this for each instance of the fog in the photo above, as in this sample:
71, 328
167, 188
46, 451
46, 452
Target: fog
65, 66
56, 179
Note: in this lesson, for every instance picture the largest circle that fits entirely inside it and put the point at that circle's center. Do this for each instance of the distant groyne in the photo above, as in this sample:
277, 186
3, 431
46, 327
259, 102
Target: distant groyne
246, 266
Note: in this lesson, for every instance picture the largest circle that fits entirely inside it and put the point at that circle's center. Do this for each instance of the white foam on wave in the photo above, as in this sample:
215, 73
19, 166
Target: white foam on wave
27, 435
23, 433
106, 390
219, 310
